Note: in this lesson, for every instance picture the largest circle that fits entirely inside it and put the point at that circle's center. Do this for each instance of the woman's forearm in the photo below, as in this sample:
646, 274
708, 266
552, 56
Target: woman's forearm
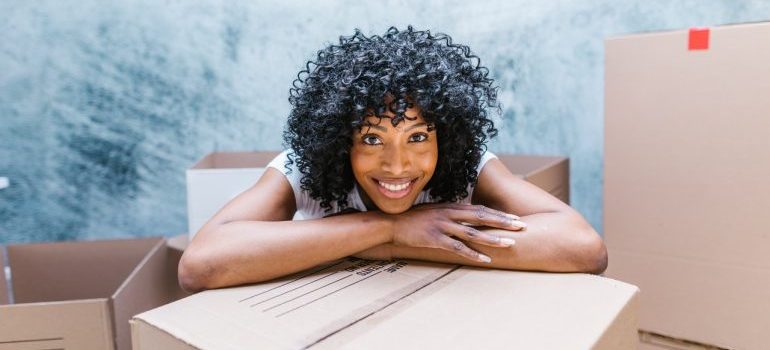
253, 251
552, 242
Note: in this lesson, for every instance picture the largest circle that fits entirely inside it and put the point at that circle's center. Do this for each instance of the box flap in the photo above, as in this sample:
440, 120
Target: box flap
81, 324
525, 165
511, 309
205, 162
235, 160
3, 282
554, 179
178, 242
549, 173
476, 308
148, 286
294, 311
73, 270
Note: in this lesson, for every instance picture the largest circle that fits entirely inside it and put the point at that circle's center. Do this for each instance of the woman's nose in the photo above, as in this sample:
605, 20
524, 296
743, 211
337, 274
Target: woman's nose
396, 160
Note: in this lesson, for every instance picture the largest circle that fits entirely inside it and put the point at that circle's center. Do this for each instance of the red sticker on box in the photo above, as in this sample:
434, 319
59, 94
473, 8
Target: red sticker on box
698, 39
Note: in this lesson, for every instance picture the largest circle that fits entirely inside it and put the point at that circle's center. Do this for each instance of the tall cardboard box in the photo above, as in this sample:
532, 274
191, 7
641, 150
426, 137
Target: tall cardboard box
221, 176
80, 295
402, 304
686, 192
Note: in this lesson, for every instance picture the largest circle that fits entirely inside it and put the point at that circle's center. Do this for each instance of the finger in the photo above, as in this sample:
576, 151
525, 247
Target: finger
461, 249
471, 234
480, 215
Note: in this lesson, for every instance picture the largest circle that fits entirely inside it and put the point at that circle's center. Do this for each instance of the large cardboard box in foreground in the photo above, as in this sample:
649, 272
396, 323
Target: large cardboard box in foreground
403, 304
80, 295
219, 177
687, 163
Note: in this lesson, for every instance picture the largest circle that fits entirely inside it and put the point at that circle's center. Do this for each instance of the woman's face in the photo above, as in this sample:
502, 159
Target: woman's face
393, 164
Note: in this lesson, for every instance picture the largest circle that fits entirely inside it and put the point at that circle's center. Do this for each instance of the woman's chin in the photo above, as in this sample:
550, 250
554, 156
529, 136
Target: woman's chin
393, 210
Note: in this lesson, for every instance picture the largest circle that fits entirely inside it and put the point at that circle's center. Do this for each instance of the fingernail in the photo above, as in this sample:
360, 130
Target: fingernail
513, 216
507, 241
484, 258
516, 223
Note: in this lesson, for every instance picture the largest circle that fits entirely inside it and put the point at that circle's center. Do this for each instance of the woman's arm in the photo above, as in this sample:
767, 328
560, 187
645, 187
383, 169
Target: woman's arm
557, 237
252, 238
551, 242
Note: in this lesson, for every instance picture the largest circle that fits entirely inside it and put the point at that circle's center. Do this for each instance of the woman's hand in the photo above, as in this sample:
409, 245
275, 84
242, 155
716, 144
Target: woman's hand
438, 226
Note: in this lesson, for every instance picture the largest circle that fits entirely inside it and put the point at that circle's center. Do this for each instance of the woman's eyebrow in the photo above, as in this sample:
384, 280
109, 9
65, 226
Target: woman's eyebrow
380, 128
383, 129
416, 125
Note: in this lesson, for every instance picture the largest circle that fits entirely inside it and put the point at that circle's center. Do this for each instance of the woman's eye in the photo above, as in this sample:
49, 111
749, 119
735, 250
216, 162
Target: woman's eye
419, 137
371, 140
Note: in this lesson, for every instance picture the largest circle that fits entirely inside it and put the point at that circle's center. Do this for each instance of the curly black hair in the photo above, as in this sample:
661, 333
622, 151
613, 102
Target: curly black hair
347, 83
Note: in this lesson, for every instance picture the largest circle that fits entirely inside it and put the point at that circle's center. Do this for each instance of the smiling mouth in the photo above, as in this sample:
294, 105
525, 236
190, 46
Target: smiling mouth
395, 190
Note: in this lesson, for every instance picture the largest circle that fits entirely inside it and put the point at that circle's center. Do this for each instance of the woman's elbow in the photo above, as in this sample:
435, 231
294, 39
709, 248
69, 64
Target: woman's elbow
595, 258
192, 274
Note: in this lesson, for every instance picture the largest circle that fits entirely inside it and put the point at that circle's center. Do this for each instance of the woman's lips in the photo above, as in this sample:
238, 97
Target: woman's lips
395, 194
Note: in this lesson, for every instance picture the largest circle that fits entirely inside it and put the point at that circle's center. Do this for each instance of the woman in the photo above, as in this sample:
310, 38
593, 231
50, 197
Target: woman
388, 159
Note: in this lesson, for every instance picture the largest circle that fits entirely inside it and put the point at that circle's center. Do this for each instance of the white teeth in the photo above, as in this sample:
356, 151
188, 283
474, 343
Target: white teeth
393, 187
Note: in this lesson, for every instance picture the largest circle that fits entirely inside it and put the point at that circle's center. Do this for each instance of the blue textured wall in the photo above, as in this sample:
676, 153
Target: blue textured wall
103, 105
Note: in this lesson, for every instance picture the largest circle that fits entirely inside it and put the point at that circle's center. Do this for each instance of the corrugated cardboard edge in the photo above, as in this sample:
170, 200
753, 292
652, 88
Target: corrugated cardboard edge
133, 296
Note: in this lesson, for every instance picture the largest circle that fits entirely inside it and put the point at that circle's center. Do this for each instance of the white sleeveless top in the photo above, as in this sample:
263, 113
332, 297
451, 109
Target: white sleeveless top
309, 208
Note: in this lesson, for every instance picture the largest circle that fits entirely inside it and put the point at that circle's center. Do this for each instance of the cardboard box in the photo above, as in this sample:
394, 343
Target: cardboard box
220, 177
403, 304
80, 295
685, 183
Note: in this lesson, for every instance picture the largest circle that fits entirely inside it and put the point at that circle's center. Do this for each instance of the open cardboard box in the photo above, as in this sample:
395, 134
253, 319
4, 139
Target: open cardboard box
403, 304
355, 304
80, 295
219, 177
686, 194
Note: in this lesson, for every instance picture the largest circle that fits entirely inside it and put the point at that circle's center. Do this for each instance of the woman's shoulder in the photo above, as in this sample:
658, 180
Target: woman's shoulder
485, 157
281, 162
